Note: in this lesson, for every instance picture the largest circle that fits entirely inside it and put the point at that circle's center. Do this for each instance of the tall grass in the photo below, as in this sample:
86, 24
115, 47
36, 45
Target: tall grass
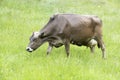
19, 18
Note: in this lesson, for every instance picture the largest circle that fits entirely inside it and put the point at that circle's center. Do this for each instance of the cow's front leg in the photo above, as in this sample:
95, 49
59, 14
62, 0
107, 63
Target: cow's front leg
49, 48
67, 47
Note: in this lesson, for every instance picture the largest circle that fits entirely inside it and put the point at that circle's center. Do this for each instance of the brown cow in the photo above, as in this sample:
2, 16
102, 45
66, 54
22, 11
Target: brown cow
63, 29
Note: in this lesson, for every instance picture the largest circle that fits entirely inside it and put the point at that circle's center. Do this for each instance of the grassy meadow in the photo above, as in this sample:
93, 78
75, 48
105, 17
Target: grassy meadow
19, 18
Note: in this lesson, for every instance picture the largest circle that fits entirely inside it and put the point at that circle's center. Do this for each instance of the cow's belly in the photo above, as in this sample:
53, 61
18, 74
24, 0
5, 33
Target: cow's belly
81, 37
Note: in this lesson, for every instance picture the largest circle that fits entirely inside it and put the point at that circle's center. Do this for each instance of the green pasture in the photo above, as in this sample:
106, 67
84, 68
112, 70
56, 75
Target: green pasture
20, 18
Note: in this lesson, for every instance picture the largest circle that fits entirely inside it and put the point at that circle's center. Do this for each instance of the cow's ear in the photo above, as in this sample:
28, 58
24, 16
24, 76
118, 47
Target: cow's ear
52, 18
42, 35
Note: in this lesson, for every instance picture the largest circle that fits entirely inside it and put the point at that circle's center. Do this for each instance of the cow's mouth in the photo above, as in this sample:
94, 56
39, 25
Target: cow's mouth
29, 49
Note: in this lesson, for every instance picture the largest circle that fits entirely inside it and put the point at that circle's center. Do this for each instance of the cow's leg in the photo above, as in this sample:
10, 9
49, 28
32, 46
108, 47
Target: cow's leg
92, 49
102, 46
49, 48
67, 47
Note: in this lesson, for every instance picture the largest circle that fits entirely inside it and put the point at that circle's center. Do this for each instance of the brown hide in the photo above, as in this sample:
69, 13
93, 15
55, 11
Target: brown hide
63, 29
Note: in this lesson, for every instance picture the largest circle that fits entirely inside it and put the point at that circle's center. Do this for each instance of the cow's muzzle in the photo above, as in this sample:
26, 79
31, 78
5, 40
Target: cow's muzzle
29, 49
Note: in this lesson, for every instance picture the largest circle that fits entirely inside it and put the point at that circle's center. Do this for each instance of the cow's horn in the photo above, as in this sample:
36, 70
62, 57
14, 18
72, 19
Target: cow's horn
36, 34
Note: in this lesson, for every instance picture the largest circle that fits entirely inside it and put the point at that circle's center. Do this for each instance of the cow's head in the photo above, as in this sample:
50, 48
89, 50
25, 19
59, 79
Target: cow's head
36, 40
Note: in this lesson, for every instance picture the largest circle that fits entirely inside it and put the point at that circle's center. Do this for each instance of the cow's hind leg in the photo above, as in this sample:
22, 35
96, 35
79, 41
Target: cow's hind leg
102, 46
92, 49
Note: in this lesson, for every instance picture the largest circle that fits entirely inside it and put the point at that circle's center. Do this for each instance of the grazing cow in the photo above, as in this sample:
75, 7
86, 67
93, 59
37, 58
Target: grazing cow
63, 29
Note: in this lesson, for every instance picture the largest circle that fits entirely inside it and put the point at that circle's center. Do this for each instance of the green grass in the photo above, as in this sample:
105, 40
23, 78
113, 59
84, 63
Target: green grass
19, 18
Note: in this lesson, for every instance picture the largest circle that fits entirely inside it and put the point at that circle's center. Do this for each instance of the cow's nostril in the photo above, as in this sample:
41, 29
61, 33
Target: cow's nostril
29, 49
